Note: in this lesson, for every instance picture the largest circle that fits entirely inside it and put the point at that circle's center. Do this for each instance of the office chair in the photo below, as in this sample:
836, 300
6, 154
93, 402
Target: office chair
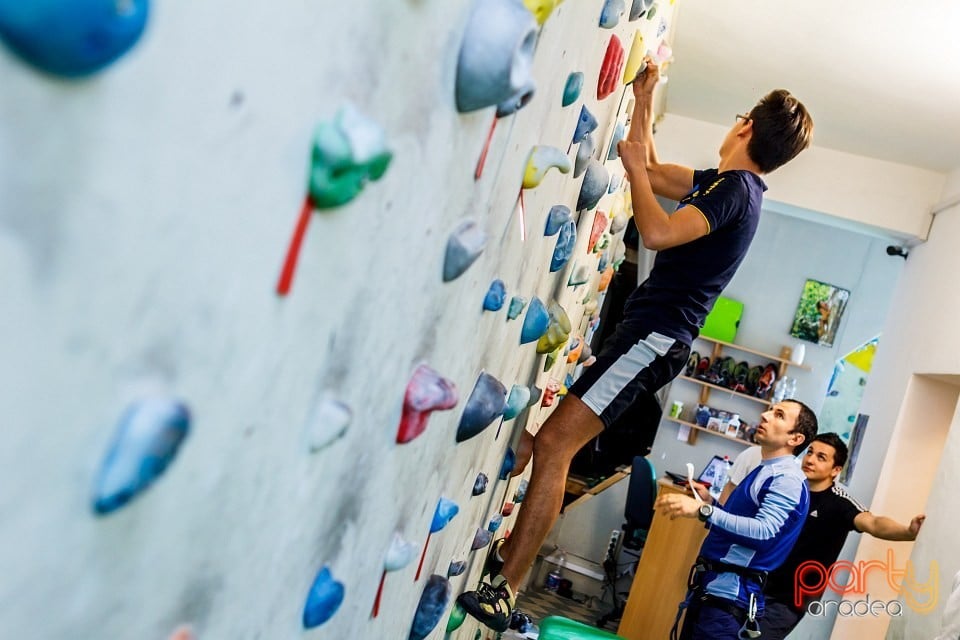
638, 514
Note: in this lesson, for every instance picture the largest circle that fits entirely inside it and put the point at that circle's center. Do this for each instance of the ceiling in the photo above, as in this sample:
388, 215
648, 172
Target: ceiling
881, 78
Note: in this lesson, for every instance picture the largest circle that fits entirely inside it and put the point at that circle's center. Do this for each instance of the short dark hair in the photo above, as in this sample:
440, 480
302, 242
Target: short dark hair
840, 451
806, 424
782, 128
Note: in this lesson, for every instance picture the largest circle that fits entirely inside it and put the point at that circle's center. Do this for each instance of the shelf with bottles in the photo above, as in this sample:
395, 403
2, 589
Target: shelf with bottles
694, 426
761, 384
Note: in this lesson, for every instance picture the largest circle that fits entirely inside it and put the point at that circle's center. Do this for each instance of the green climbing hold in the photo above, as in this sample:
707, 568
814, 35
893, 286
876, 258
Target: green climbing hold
457, 616
346, 154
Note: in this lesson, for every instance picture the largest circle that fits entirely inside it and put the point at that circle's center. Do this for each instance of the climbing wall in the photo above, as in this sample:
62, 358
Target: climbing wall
254, 354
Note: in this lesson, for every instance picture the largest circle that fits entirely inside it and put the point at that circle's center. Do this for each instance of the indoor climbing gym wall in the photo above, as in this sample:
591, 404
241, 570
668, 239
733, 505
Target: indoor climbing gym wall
282, 286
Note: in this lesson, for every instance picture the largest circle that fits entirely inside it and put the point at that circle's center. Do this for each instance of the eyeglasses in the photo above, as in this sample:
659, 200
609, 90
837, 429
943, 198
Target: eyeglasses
740, 116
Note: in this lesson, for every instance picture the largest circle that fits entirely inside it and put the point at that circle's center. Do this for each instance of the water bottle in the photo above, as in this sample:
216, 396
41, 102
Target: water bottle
720, 481
779, 391
733, 427
791, 389
552, 582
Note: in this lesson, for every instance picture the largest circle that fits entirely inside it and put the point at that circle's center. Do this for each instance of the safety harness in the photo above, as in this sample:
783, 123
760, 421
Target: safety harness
697, 595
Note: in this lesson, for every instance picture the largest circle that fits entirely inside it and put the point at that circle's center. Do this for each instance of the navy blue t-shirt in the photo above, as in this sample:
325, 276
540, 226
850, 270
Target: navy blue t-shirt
686, 279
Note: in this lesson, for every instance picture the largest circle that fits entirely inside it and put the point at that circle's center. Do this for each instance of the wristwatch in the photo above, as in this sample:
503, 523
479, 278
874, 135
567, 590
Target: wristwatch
706, 510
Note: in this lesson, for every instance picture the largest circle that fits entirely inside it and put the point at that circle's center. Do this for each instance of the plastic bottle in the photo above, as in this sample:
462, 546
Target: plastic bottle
703, 415
779, 391
791, 389
720, 481
733, 427
553, 579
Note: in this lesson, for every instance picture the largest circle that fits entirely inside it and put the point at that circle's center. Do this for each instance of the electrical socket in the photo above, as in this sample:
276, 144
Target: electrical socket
612, 545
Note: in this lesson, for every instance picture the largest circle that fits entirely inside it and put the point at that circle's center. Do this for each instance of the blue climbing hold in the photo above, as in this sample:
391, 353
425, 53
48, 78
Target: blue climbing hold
535, 323
496, 296
516, 402
584, 154
572, 89
594, 186
147, 440
456, 568
485, 404
433, 601
604, 261
72, 38
464, 246
480, 484
509, 462
495, 61
521, 493
566, 241
325, 597
585, 124
611, 12
481, 539
494, 523
517, 303
556, 217
618, 133
535, 393
614, 183
443, 514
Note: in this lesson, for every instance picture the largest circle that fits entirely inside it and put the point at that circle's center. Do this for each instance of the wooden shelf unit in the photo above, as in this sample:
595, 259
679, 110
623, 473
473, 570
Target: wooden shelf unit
783, 360
745, 443
737, 394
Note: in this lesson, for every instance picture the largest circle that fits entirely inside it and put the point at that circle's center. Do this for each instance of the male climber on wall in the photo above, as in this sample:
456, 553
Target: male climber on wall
700, 246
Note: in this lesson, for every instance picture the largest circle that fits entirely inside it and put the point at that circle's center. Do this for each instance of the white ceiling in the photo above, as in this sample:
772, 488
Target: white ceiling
881, 77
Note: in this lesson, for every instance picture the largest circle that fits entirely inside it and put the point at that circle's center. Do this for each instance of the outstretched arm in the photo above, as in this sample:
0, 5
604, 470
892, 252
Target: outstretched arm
887, 528
668, 180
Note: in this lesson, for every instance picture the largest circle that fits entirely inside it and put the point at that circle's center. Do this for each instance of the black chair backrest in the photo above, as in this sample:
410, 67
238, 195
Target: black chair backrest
641, 494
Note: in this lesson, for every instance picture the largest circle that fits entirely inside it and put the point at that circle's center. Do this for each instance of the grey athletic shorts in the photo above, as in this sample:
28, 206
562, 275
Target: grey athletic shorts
632, 360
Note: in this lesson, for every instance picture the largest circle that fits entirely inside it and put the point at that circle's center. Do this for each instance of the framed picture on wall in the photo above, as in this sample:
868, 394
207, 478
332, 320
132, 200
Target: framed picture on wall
818, 313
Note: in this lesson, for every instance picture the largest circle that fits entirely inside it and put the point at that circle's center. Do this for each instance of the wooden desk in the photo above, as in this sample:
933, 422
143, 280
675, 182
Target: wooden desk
661, 580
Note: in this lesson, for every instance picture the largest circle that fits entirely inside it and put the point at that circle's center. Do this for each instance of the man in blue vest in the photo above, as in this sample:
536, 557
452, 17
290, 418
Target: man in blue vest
751, 534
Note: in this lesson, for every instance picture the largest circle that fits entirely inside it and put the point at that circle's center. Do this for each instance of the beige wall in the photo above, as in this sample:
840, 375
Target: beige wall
880, 195
910, 461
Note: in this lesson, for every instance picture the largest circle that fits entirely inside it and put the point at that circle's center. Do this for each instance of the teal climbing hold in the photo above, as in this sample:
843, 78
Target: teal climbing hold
572, 89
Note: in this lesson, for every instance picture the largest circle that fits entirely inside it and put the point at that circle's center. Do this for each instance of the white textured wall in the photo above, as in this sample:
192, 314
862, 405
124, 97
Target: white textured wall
144, 215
